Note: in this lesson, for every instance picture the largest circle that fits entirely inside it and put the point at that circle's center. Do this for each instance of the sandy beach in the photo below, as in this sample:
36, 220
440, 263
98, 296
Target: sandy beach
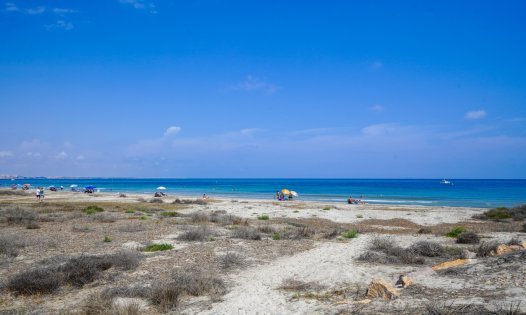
252, 256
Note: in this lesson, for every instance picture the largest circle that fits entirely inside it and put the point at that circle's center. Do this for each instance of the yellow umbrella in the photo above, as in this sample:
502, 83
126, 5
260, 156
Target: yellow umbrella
285, 191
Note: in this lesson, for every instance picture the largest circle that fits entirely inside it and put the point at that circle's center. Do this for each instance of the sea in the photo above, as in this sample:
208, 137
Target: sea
480, 193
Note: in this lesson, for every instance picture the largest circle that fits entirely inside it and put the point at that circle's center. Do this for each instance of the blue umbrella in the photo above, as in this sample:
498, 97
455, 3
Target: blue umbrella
90, 187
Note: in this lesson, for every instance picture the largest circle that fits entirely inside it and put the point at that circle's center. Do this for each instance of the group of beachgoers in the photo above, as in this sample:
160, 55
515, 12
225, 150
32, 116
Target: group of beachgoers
353, 201
39, 193
281, 196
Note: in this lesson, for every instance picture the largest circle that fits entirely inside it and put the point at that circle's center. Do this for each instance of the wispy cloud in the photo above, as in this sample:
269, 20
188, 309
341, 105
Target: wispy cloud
172, 130
60, 25
12, 7
141, 5
6, 154
475, 114
63, 11
80, 157
61, 156
252, 83
377, 108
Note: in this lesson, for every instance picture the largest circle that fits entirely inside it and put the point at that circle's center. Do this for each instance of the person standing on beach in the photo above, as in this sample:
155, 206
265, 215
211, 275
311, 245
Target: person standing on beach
41, 193
37, 193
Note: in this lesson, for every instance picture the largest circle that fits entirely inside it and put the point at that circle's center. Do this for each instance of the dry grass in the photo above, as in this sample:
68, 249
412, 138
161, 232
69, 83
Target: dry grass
386, 252
99, 304
230, 260
468, 238
427, 249
300, 286
246, 233
197, 234
10, 244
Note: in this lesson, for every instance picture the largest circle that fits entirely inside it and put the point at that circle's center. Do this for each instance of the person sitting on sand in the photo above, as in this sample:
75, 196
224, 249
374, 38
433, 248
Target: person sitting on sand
205, 197
350, 200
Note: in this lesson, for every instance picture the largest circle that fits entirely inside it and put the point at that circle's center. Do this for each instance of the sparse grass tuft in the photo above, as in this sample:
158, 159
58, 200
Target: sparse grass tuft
157, 247
10, 244
104, 218
300, 286
456, 231
385, 251
34, 281
199, 234
350, 234
276, 236
169, 214
425, 231
326, 208
247, 233
486, 248
230, 260
199, 217
502, 213
156, 200
132, 228
107, 239
93, 209
19, 216
263, 217
426, 248
468, 238
267, 229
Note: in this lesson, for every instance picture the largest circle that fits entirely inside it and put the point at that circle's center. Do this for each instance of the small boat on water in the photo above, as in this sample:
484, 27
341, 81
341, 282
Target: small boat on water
445, 182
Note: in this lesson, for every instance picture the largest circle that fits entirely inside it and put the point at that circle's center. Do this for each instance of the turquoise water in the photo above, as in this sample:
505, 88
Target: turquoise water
463, 192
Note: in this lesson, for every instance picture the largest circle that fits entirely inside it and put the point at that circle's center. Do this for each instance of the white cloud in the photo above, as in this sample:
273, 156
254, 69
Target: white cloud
377, 108
141, 4
35, 10
379, 129
252, 83
172, 130
9, 6
33, 154
475, 114
62, 11
60, 24
80, 157
6, 154
61, 156
250, 131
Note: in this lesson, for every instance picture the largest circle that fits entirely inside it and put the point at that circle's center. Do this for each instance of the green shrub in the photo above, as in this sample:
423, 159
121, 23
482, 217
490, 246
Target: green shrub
107, 239
276, 236
350, 234
327, 208
93, 209
263, 217
359, 216
456, 231
157, 247
129, 211
169, 214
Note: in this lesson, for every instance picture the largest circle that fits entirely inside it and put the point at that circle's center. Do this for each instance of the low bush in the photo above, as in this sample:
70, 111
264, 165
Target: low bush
34, 281
199, 234
100, 304
247, 233
104, 218
157, 247
468, 238
387, 252
350, 234
455, 232
225, 219
93, 209
132, 228
501, 213
426, 248
515, 241
80, 228
276, 236
230, 260
169, 214
300, 286
327, 208
107, 239
486, 248
32, 225
199, 217
263, 217
425, 231
190, 202
156, 200
267, 229
19, 216
297, 233
10, 244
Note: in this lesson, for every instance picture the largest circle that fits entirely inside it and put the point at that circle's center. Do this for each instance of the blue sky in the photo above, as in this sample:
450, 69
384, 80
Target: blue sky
263, 89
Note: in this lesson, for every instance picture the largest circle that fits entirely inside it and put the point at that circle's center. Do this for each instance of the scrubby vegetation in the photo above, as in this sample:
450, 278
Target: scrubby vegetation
170, 214
19, 216
501, 213
385, 251
468, 238
157, 247
198, 234
263, 217
456, 231
350, 234
76, 271
247, 233
93, 209
486, 248
230, 260
427, 249
10, 244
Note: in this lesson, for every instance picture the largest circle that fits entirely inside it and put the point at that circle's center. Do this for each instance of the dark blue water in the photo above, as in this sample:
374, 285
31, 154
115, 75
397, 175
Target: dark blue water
462, 192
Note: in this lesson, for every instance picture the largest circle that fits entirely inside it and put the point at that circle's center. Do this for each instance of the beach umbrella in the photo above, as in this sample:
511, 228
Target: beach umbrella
295, 194
285, 191
27, 185
90, 187
73, 186
161, 188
